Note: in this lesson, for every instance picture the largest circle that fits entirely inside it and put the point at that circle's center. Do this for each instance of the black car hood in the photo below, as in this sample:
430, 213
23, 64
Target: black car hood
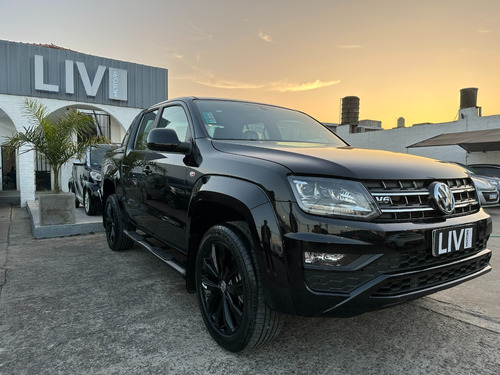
348, 162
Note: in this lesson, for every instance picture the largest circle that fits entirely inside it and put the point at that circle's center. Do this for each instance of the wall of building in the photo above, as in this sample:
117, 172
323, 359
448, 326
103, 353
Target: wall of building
13, 108
57, 73
399, 139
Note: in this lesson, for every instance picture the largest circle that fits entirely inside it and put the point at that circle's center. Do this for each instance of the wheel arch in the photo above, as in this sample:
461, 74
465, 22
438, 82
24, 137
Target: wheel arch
219, 199
91, 186
108, 188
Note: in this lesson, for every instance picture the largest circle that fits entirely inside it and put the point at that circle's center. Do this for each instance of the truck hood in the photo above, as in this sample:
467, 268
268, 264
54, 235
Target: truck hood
347, 162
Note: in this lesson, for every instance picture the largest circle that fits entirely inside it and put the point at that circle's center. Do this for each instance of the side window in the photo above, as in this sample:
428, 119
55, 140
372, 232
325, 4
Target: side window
175, 118
147, 123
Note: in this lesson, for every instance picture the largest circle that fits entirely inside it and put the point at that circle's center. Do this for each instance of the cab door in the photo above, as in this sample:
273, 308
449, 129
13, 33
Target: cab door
132, 167
165, 195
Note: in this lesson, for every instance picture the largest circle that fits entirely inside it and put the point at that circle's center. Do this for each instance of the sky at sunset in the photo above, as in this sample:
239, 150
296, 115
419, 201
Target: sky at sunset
401, 58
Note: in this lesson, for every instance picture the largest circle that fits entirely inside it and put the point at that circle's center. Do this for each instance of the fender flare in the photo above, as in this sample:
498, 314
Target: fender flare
255, 206
91, 186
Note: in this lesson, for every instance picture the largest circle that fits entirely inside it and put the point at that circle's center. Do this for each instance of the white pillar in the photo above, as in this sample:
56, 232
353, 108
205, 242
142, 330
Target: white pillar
27, 175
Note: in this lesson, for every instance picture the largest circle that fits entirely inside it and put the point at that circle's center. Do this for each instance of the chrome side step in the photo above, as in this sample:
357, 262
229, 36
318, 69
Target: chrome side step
163, 254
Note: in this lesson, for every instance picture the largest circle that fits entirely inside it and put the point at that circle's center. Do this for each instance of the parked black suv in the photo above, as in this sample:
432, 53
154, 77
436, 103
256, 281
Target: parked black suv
265, 212
85, 180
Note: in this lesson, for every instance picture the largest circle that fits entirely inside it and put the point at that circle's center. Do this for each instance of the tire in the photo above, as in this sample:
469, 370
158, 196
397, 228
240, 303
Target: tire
88, 203
113, 226
229, 291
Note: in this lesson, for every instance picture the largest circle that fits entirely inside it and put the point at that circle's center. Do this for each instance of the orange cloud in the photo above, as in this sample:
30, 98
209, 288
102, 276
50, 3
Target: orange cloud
265, 37
223, 84
284, 86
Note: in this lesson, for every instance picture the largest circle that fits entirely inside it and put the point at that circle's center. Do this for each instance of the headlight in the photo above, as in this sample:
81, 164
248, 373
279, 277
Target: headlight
482, 184
96, 176
493, 182
334, 197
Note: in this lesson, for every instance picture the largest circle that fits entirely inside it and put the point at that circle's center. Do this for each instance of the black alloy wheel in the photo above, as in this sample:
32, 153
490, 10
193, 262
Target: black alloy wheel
114, 225
229, 294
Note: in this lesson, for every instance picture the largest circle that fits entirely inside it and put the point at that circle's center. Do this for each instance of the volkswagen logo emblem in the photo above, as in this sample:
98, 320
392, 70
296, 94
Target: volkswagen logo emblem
442, 197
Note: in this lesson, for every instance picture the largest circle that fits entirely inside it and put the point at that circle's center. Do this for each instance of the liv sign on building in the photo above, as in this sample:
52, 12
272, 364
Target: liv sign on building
117, 86
55, 73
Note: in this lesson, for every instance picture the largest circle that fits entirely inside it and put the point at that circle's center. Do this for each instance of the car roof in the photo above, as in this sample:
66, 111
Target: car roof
191, 98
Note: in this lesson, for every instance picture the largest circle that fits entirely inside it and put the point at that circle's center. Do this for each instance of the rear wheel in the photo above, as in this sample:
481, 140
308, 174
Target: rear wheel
229, 291
114, 225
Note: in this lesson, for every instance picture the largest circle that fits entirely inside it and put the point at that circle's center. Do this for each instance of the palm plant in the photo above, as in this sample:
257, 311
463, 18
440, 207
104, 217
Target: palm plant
54, 136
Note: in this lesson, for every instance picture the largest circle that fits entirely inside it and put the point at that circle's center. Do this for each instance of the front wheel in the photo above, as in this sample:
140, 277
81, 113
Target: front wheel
114, 225
88, 203
229, 291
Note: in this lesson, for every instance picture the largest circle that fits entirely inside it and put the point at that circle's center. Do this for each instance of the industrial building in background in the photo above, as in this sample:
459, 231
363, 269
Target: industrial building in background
471, 139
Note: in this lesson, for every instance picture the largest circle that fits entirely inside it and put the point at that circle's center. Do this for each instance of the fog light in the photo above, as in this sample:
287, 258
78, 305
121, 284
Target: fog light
327, 259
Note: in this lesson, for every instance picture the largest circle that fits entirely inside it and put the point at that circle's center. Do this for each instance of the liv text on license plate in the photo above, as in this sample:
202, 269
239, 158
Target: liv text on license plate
452, 239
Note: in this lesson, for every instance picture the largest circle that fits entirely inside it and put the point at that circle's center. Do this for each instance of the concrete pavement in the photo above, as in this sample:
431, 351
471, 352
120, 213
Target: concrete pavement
71, 306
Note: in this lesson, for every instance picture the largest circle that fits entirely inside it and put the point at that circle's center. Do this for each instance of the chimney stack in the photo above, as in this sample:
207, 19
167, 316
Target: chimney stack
350, 112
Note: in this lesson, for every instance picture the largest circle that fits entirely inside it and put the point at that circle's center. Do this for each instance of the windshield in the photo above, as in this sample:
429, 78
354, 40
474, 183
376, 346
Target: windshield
97, 154
258, 122
485, 170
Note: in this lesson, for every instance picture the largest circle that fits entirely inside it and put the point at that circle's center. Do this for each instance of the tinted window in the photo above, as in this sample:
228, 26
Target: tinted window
175, 118
250, 121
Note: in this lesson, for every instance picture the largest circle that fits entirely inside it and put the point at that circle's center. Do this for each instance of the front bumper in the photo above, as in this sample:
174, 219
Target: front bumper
488, 198
393, 289
95, 193
392, 267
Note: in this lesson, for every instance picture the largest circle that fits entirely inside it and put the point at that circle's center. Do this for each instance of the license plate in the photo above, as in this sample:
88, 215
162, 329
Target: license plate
453, 239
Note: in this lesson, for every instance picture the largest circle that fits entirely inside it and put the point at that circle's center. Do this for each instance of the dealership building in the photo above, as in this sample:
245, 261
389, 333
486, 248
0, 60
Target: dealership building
113, 92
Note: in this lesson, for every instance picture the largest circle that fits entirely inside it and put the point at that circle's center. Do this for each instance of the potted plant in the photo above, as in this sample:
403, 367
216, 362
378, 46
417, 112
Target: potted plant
54, 137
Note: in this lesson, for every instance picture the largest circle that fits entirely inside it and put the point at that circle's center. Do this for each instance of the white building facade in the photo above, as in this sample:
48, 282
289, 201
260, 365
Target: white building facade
400, 139
111, 91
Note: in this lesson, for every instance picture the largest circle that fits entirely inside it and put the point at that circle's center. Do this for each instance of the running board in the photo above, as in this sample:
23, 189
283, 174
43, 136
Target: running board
163, 254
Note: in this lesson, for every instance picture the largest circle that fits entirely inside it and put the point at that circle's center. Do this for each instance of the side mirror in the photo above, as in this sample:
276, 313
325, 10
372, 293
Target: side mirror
78, 162
161, 139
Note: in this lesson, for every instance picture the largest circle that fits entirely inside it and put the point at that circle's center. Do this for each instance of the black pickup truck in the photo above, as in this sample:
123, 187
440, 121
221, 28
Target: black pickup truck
265, 212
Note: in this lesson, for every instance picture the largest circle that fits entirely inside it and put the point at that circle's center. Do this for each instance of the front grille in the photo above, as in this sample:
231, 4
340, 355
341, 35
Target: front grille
409, 260
431, 278
408, 200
